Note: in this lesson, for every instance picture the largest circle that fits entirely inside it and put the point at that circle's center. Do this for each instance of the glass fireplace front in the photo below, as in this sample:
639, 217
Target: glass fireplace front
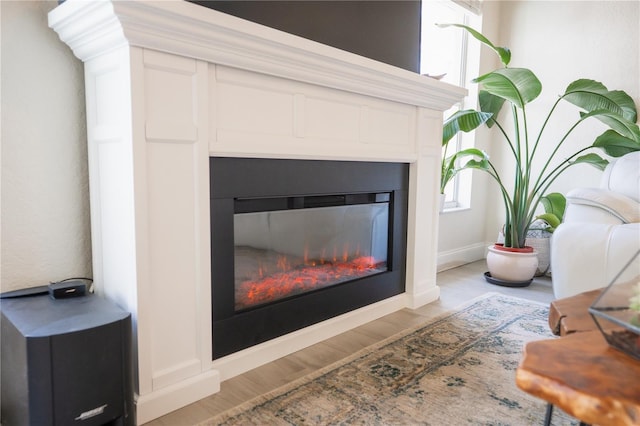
297, 242
284, 253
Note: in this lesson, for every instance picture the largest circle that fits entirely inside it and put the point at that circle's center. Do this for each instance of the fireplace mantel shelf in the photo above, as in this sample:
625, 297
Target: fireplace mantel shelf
170, 84
183, 29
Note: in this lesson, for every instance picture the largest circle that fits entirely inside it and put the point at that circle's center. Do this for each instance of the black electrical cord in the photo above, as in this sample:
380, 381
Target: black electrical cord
43, 289
90, 290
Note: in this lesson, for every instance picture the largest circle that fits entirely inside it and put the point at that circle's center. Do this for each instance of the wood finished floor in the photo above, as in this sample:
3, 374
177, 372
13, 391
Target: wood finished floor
457, 286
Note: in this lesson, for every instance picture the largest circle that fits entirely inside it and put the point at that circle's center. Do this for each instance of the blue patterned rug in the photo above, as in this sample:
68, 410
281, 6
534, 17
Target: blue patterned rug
458, 369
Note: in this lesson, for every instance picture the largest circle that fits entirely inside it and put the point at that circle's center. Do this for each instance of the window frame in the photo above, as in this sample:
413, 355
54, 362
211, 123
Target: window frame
459, 196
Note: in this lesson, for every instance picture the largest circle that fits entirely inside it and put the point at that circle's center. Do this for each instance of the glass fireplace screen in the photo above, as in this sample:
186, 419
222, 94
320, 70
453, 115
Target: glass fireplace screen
284, 253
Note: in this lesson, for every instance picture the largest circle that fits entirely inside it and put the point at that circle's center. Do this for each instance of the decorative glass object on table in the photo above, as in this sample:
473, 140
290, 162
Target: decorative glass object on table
616, 311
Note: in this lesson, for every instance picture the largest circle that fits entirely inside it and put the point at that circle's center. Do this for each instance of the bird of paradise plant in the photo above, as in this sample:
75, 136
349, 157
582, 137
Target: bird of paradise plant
517, 87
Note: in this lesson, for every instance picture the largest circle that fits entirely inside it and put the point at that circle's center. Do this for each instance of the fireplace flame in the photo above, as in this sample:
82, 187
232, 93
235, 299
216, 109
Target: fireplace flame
313, 274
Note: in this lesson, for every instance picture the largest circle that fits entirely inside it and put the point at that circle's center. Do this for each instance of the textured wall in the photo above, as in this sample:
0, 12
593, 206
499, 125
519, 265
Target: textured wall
45, 201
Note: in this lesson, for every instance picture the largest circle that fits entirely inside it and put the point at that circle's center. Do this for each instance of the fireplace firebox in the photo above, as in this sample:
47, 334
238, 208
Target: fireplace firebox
296, 242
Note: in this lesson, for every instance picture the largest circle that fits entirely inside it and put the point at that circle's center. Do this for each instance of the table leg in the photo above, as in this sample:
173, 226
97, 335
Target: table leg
548, 415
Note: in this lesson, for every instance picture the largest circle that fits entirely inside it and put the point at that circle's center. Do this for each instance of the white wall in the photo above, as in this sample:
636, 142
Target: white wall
560, 41
45, 205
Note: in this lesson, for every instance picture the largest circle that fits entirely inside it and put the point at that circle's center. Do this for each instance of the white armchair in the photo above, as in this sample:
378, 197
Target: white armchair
600, 232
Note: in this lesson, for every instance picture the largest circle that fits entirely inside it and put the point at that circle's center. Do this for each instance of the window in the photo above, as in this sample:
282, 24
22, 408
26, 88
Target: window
446, 52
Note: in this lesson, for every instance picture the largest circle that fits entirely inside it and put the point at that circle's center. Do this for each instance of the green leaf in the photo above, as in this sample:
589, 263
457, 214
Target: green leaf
491, 104
449, 168
593, 159
517, 85
616, 122
478, 155
465, 121
554, 203
615, 145
626, 103
592, 96
503, 52
479, 160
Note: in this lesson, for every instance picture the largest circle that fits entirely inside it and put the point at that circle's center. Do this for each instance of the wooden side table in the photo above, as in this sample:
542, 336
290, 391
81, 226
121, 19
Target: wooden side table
585, 377
571, 314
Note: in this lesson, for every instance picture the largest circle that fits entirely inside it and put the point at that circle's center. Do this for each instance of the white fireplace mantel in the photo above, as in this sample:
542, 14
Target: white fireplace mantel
170, 84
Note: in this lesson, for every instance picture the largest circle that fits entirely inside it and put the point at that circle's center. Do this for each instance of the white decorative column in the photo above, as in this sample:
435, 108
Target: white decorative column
170, 84
422, 236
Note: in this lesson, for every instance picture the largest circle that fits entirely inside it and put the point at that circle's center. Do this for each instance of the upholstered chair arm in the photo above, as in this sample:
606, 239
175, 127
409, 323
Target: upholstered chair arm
597, 205
586, 257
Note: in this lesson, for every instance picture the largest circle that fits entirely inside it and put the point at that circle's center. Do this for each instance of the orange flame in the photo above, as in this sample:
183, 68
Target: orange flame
312, 275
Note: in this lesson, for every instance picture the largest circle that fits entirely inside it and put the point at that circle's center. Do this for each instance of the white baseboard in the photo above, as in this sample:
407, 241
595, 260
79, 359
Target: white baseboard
416, 301
177, 395
460, 256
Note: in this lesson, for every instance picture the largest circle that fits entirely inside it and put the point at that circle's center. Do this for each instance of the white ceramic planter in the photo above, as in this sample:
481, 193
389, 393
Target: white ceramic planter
510, 265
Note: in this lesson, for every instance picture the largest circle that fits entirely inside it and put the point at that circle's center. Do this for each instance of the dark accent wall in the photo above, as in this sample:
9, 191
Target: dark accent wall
387, 31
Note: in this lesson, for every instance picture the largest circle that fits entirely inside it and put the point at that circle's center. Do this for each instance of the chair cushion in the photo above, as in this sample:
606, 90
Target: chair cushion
623, 176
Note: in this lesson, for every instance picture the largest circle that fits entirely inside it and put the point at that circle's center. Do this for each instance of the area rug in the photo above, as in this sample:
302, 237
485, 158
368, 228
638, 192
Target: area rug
458, 369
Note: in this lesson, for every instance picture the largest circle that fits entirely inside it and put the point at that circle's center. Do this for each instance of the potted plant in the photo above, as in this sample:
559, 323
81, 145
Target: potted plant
542, 227
521, 194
